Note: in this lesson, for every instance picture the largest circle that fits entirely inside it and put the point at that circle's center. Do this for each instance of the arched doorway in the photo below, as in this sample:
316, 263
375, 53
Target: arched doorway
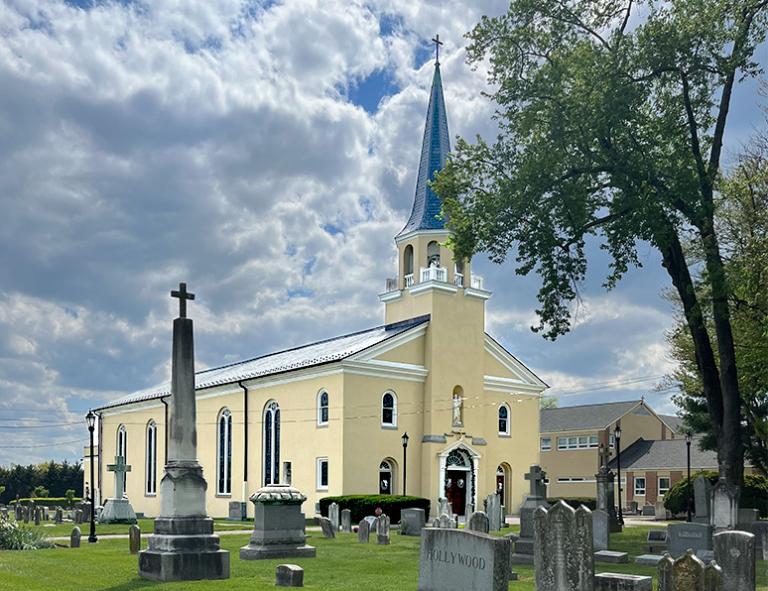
503, 483
459, 480
387, 475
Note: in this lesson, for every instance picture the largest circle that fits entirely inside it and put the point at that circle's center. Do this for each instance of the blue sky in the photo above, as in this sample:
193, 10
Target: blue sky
265, 153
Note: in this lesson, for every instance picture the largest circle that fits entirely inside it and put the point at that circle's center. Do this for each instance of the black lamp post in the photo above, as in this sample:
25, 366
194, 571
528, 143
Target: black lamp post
617, 438
688, 439
90, 419
405, 458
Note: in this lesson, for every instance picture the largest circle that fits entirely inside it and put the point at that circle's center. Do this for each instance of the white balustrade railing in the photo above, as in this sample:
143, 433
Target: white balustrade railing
458, 279
434, 274
477, 282
409, 280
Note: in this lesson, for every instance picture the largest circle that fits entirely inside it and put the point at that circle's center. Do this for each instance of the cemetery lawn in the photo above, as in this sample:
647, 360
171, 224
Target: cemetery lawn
341, 564
53, 530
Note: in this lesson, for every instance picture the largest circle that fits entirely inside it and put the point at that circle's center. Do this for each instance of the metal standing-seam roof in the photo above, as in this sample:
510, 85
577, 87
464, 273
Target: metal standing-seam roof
664, 454
318, 353
587, 416
434, 153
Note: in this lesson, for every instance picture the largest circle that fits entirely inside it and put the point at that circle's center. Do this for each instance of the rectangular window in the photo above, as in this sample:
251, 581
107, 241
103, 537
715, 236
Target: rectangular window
546, 443
322, 473
663, 485
639, 486
581, 442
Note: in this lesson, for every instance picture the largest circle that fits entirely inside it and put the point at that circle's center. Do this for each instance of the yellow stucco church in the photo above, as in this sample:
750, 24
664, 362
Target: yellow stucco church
330, 416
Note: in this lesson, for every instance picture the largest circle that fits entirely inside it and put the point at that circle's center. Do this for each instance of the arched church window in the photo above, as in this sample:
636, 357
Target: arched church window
433, 254
386, 474
322, 408
271, 443
151, 460
457, 459
503, 420
224, 453
389, 410
408, 260
122, 449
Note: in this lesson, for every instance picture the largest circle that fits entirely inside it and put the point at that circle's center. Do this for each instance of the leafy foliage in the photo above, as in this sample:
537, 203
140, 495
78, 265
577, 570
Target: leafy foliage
54, 477
754, 493
364, 505
16, 536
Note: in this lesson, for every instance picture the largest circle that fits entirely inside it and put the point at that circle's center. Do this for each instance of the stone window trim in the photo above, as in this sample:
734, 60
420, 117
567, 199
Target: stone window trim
505, 417
545, 444
639, 486
323, 408
224, 453
389, 410
150, 477
321, 473
271, 443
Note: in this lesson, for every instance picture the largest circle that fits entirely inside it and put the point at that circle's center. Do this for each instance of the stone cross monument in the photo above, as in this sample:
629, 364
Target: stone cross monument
118, 509
183, 546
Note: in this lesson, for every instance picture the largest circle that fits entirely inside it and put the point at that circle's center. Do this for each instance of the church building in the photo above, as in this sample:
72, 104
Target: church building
331, 417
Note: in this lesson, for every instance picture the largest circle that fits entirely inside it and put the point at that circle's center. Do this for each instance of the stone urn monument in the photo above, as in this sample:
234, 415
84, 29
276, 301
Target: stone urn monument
278, 525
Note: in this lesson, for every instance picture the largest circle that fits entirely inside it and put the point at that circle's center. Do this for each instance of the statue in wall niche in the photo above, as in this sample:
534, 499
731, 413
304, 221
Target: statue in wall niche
457, 406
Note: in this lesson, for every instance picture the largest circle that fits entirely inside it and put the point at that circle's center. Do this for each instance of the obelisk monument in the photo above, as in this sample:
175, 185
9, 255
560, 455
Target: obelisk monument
183, 546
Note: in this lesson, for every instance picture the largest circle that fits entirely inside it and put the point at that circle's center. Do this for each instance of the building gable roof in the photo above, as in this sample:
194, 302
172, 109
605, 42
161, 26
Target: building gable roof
583, 417
664, 454
312, 354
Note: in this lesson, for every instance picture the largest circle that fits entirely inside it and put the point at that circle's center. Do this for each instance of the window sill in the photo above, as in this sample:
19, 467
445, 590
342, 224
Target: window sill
505, 435
388, 426
322, 425
146, 494
322, 489
224, 495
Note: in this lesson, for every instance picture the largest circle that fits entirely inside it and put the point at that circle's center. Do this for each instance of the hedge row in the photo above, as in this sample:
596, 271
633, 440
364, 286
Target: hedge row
754, 493
49, 502
575, 502
364, 505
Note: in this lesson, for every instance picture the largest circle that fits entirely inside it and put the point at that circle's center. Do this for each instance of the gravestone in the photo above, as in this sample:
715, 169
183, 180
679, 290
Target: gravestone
346, 521
26, 514
134, 539
183, 545
117, 509
237, 511
493, 511
611, 557
660, 511
563, 552
648, 559
648, 511
682, 536
412, 521
702, 497
735, 554
600, 530
657, 540
38, 513
443, 507
58, 515
78, 516
382, 530
17, 512
760, 531
469, 508
363, 531
327, 527
606, 500
87, 508
688, 573
725, 506
333, 515
479, 522
461, 560
747, 516
444, 522
74, 538
537, 497
289, 575
622, 582
278, 525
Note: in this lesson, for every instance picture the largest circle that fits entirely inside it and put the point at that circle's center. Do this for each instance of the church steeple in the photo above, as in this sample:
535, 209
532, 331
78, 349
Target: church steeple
434, 152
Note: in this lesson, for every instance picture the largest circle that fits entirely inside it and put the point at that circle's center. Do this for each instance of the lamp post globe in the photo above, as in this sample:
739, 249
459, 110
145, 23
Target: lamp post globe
617, 438
404, 439
90, 420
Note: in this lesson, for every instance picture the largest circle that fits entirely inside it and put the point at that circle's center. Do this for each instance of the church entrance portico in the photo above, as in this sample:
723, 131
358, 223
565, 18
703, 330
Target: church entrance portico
458, 476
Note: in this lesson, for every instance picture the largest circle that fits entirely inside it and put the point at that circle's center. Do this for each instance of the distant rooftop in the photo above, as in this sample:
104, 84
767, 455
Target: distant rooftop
587, 416
312, 354
669, 453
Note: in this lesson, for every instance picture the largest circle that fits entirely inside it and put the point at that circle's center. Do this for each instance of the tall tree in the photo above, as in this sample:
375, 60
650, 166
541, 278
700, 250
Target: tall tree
742, 224
611, 115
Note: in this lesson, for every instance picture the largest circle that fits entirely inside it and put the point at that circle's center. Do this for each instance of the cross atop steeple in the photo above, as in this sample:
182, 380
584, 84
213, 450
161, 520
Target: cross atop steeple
183, 296
438, 43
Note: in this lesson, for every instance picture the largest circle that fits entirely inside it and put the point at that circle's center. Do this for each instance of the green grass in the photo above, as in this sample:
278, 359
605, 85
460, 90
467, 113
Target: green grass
341, 564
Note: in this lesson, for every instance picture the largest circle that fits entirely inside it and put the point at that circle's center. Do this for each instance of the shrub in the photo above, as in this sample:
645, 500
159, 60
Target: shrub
754, 493
15, 536
575, 502
363, 505
41, 491
50, 502
70, 495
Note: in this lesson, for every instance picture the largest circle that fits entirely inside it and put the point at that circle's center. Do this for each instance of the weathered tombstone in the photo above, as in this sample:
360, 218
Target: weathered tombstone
493, 511
660, 511
747, 516
633, 505
117, 509
87, 508
237, 511
278, 525
702, 496
682, 536
346, 521
134, 538
78, 516
327, 527
38, 513
412, 521
760, 531
648, 510
26, 514
649, 559
688, 573
184, 545
382, 530
725, 505
289, 575
333, 515
443, 507
58, 516
537, 498
479, 522
74, 538
657, 540
735, 553
363, 531
600, 530
606, 500
445, 522
611, 557
622, 582
459, 560
563, 552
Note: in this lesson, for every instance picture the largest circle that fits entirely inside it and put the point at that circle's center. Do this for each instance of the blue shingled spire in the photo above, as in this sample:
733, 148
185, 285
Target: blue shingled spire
434, 151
